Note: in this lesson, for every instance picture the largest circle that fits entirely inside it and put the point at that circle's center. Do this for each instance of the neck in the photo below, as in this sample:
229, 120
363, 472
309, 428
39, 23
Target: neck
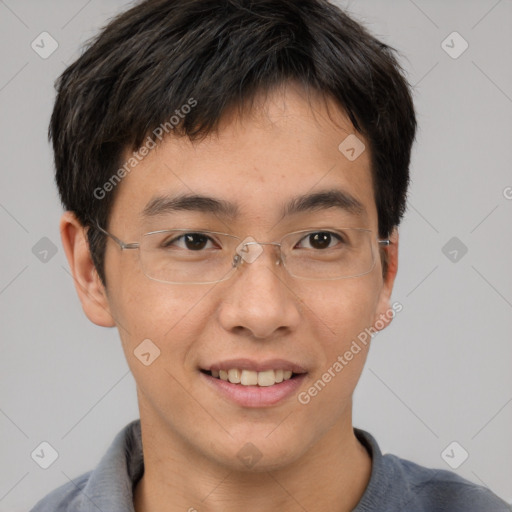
331, 476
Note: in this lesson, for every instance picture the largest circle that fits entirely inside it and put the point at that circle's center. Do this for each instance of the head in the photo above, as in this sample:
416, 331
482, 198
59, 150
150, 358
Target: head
244, 104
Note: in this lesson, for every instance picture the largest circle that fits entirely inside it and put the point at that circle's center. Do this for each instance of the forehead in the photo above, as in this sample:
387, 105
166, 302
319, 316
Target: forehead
259, 165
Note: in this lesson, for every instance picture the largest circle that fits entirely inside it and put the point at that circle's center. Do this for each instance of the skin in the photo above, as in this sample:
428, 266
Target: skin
191, 435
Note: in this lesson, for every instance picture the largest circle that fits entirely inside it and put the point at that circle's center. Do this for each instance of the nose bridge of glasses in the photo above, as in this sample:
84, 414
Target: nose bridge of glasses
249, 250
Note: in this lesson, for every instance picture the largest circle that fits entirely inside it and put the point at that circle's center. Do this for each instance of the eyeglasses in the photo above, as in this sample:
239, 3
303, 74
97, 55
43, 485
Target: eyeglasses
187, 256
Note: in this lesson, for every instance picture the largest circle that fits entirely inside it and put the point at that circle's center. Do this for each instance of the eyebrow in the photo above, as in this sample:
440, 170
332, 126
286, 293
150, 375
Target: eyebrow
189, 202
332, 198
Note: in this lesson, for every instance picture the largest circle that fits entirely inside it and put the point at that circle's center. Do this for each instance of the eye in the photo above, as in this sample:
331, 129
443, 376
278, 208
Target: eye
320, 240
189, 241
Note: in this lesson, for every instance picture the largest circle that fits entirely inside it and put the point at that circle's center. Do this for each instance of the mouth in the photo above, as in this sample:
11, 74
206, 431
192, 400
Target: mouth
248, 383
245, 377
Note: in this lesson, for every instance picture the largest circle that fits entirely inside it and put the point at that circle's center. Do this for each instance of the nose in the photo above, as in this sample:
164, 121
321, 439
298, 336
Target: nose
258, 299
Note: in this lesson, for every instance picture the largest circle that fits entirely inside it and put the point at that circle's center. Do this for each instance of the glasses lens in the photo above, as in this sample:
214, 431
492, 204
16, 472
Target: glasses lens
185, 256
329, 254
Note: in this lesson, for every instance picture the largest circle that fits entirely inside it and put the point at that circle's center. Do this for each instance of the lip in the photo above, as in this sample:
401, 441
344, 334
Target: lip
256, 366
254, 396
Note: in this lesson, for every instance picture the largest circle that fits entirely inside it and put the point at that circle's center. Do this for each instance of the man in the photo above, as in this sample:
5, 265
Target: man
234, 174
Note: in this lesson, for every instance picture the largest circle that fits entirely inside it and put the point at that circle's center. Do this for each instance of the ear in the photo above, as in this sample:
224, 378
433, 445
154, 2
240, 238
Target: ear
88, 284
385, 312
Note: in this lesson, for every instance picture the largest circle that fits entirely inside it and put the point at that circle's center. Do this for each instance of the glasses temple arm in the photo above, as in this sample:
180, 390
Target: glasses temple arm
118, 241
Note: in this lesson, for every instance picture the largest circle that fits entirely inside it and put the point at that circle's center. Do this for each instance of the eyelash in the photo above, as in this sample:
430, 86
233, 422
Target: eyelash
168, 243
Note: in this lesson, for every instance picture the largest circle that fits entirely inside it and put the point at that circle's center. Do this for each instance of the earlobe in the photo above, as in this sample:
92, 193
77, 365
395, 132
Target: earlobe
88, 284
384, 313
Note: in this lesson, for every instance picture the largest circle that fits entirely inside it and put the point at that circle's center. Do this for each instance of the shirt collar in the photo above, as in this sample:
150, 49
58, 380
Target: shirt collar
110, 486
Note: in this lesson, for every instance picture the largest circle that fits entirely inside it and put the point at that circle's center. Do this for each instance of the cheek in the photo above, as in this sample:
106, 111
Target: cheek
341, 316
342, 309
171, 317
173, 320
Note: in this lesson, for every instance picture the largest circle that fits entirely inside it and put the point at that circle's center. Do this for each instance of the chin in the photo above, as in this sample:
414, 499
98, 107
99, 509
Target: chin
258, 452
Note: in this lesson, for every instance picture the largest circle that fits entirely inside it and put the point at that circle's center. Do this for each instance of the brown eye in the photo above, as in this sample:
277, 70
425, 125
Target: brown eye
195, 241
189, 241
320, 240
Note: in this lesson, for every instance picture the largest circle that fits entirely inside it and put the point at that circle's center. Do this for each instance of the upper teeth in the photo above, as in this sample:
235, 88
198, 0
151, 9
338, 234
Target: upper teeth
251, 378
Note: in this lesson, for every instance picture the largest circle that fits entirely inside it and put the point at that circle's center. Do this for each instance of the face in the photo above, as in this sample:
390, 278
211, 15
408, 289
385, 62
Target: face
261, 318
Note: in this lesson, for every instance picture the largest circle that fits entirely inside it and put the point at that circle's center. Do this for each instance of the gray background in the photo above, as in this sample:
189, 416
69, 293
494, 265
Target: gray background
440, 373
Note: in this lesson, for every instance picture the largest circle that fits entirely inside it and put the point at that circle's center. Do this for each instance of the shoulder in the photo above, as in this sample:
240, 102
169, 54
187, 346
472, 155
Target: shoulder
109, 486
437, 489
66, 498
398, 484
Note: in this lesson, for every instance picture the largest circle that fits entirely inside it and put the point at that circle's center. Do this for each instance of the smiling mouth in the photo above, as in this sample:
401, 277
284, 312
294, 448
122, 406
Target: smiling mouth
252, 378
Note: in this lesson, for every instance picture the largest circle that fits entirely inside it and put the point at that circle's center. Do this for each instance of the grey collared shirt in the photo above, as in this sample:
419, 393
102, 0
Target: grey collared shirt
395, 484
